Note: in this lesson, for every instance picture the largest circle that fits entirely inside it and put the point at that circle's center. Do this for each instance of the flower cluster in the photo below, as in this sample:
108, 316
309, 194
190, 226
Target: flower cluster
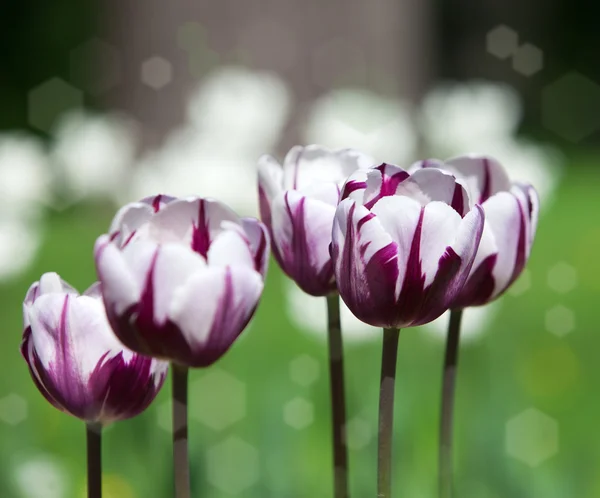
179, 279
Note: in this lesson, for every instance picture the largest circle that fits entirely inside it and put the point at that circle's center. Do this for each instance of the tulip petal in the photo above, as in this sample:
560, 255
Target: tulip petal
315, 164
213, 310
485, 175
432, 184
125, 386
121, 283
366, 261
128, 220
507, 223
383, 181
440, 223
193, 221
173, 267
454, 267
230, 248
259, 243
302, 235
270, 177
399, 216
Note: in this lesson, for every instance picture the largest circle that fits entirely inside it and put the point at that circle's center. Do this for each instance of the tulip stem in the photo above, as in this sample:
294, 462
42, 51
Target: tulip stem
386, 411
447, 407
338, 397
181, 462
93, 434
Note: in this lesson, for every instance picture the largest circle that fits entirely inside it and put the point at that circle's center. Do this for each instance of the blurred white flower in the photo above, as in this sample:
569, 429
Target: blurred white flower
240, 110
19, 243
376, 125
309, 313
93, 154
41, 477
474, 323
482, 117
456, 117
26, 178
193, 167
215, 153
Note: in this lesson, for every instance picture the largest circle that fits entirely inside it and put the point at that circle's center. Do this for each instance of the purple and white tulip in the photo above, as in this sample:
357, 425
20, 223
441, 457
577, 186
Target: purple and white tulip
511, 215
297, 203
76, 361
181, 278
403, 245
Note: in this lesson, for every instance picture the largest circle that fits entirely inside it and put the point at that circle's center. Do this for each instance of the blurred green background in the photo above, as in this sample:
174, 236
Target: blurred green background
527, 403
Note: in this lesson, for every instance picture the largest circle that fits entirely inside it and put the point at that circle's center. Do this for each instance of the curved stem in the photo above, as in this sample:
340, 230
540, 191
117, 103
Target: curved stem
447, 406
93, 434
338, 398
181, 463
386, 412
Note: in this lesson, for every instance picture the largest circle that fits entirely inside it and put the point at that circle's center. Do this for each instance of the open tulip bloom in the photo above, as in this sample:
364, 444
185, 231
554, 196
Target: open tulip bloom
181, 279
403, 246
78, 364
298, 200
511, 215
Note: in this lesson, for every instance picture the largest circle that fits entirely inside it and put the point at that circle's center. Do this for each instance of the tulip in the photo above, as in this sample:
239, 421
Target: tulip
511, 215
297, 203
403, 244
181, 278
76, 361
402, 247
80, 367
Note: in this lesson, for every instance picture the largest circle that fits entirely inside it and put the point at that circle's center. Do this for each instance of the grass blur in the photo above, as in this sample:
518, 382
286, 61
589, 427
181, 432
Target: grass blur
515, 366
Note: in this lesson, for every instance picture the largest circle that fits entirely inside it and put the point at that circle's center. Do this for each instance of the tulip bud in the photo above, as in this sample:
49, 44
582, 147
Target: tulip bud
297, 203
181, 278
403, 244
76, 361
511, 214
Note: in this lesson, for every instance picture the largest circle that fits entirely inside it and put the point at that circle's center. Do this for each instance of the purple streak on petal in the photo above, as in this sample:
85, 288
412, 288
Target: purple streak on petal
260, 255
389, 184
156, 203
201, 233
363, 220
35, 366
367, 287
296, 257
457, 200
480, 285
447, 283
131, 235
381, 275
138, 329
411, 296
145, 306
123, 389
352, 186
114, 235
486, 188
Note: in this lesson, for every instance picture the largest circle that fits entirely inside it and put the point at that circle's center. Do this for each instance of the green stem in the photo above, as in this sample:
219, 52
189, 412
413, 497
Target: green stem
386, 412
180, 431
338, 398
447, 406
94, 459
